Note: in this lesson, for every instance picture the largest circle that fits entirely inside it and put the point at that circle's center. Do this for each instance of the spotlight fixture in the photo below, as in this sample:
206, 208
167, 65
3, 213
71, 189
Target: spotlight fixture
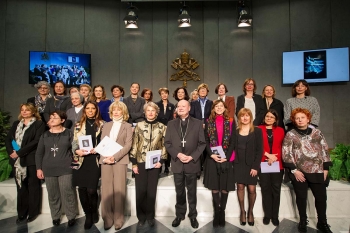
131, 18
244, 19
184, 18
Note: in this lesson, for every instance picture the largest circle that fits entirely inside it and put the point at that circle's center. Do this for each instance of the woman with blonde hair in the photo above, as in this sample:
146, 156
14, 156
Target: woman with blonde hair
248, 145
21, 143
114, 168
148, 136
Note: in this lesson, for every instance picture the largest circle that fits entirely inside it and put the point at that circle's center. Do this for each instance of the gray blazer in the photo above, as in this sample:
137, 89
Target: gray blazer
135, 109
124, 138
194, 146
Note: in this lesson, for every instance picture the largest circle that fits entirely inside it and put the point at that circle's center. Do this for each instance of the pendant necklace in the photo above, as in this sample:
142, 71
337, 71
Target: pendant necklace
182, 135
55, 148
91, 124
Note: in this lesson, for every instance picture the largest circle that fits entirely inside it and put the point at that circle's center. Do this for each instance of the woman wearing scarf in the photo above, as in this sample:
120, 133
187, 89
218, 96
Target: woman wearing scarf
39, 100
21, 144
148, 136
60, 102
218, 172
87, 171
114, 168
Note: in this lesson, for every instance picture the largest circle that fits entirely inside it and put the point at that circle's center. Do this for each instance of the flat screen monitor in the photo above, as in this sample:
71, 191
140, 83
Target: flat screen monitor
316, 66
73, 69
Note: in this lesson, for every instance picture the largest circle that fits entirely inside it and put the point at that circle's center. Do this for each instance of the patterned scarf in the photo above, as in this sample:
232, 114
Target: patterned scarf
59, 100
21, 172
40, 103
212, 133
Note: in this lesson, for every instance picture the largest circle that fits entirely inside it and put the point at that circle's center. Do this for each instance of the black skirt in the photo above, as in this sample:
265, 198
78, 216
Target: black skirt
89, 173
241, 169
218, 181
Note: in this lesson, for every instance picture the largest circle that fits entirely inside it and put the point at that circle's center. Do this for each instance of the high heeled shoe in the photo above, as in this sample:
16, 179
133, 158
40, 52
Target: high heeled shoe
241, 221
250, 223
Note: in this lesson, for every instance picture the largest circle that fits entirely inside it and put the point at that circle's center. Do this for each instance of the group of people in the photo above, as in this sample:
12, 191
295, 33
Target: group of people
44, 144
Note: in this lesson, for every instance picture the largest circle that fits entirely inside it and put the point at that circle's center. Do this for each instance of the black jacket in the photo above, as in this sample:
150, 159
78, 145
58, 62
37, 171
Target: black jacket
169, 112
277, 105
29, 143
196, 109
260, 107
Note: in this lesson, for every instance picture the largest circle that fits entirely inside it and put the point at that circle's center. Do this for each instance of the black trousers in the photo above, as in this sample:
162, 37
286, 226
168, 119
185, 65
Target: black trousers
29, 195
188, 180
270, 184
320, 194
146, 191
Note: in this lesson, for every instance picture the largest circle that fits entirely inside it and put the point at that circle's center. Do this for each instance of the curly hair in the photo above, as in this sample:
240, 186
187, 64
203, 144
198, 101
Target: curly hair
300, 110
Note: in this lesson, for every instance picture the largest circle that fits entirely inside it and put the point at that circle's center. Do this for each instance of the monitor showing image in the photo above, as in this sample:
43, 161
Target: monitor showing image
73, 69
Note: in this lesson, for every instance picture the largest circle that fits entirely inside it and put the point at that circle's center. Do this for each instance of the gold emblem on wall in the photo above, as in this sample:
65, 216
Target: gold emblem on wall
185, 65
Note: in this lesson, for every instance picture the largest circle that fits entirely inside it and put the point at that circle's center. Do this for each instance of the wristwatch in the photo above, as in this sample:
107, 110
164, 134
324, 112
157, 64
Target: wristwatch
293, 171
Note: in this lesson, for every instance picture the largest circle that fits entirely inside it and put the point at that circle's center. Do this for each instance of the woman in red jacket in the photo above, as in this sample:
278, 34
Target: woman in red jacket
270, 183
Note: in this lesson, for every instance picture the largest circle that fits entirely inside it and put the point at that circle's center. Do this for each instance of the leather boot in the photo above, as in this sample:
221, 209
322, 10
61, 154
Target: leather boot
223, 203
93, 200
216, 204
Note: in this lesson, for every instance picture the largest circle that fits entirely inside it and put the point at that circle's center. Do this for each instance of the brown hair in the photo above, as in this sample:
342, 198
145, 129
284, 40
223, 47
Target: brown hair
246, 82
213, 114
64, 87
93, 97
98, 118
32, 109
218, 86
307, 92
274, 113
273, 88
300, 110
121, 89
163, 89
144, 92
61, 114
242, 112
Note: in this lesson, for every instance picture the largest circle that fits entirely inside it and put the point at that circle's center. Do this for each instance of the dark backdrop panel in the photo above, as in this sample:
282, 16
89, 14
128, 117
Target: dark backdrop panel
341, 105
102, 41
2, 50
65, 26
136, 49
25, 31
235, 49
160, 47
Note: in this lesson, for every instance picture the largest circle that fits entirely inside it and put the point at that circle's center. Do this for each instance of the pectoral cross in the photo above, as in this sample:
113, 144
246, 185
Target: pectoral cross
183, 142
54, 149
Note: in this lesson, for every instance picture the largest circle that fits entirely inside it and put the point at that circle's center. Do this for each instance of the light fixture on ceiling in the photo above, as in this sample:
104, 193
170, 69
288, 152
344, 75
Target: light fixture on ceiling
244, 19
184, 18
131, 18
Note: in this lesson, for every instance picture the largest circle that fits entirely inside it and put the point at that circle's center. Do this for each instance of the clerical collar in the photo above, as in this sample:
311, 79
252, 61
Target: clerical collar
183, 119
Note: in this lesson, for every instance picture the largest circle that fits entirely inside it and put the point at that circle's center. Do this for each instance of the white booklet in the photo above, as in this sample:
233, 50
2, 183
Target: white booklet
218, 151
85, 143
273, 168
152, 157
107, 147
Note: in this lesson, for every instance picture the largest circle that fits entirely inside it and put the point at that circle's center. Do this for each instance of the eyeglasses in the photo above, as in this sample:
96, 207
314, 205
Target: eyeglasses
250, 84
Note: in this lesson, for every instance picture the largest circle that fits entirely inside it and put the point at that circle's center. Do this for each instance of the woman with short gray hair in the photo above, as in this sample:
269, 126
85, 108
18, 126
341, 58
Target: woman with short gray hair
39, 100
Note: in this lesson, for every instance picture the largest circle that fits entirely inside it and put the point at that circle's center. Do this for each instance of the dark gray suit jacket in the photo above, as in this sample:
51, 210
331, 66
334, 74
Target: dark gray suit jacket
135, 109
194, 146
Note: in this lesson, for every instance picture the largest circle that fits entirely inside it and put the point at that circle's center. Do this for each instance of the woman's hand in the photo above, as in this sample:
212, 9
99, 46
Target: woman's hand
216, 158
40, 174
92, 151
253, 172
135, 170
272, 157
222, 160
109, 160
82, 152
14, 155
299, 176
158, 165
325, 173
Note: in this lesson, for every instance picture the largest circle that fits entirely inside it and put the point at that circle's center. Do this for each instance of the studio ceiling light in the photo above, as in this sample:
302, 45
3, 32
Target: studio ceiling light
184, 18
244, 19
131, 18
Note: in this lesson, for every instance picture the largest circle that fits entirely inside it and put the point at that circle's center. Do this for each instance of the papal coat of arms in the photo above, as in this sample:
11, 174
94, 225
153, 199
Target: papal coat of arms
185, 65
